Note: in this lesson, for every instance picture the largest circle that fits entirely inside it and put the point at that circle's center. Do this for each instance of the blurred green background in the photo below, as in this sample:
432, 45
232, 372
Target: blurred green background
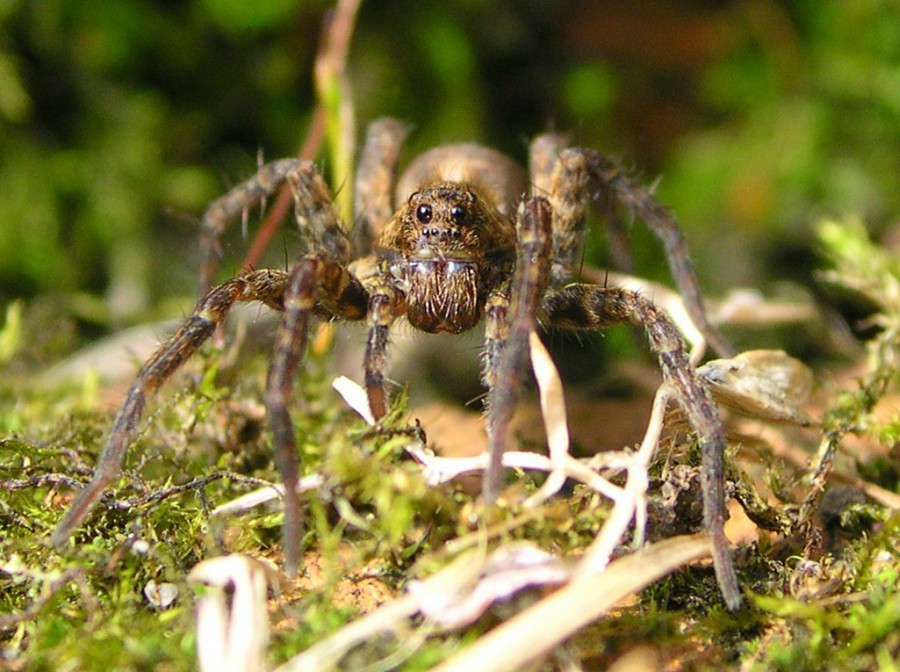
120, 121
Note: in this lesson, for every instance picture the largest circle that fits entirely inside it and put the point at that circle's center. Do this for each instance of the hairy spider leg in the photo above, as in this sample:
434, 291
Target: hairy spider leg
543, 154
591, 307
568, 177
577, 174
374, 206
375, 177
496, 332
227, 208
529, 282
372, 200
319, 284
550, 237
316, 281
266, 286
385, 305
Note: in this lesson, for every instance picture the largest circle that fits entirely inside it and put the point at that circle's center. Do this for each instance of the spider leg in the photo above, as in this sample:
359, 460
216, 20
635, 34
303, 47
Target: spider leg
228, 207
266, 286
314, 214
385, 305
317, 282
496, 333
580, 306
373, 200
374, 205
543, 153
501, 399
577, 172
506, 351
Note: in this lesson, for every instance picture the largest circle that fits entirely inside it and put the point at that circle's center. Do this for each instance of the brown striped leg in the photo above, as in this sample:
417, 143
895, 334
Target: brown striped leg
499, 403
319, 282
496, 334
374, 204
569, 196
543, 153
373, 200
543, 156
290, 348
316, 283
316, 218
318, 221
265, 286
591, 307
496, 331
530, 280
385, 306
577, 172
229, 207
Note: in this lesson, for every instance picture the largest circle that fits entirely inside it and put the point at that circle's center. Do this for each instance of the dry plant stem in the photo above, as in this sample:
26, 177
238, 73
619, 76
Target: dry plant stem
266, 493
884, 357
633, 503
196, 484
232, 623
630, 501
795, 455
40, 481
229, 207
325, 655
451, 598
464, 590
443, 469
553, 411
336, 98
437, 470
540, 628
33, 610
375, 176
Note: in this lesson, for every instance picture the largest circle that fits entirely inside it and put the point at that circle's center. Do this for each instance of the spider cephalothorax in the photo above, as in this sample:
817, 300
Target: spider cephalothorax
461, 239
443, 250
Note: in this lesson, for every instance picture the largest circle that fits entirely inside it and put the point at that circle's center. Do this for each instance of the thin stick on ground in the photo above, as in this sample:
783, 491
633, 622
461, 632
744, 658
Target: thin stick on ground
551, 621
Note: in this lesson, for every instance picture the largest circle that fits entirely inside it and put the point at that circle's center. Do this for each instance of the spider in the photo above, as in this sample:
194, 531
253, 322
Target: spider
455, 242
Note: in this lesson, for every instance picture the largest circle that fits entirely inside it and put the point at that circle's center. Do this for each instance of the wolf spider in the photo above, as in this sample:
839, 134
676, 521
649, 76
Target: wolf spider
464, 244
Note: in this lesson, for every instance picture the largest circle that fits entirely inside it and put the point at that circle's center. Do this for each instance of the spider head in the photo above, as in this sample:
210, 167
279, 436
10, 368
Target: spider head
444, 221
448, 221
442, 246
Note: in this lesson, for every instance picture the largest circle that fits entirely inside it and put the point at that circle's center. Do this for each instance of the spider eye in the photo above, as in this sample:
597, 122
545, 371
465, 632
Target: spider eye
458, 214
423, 213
